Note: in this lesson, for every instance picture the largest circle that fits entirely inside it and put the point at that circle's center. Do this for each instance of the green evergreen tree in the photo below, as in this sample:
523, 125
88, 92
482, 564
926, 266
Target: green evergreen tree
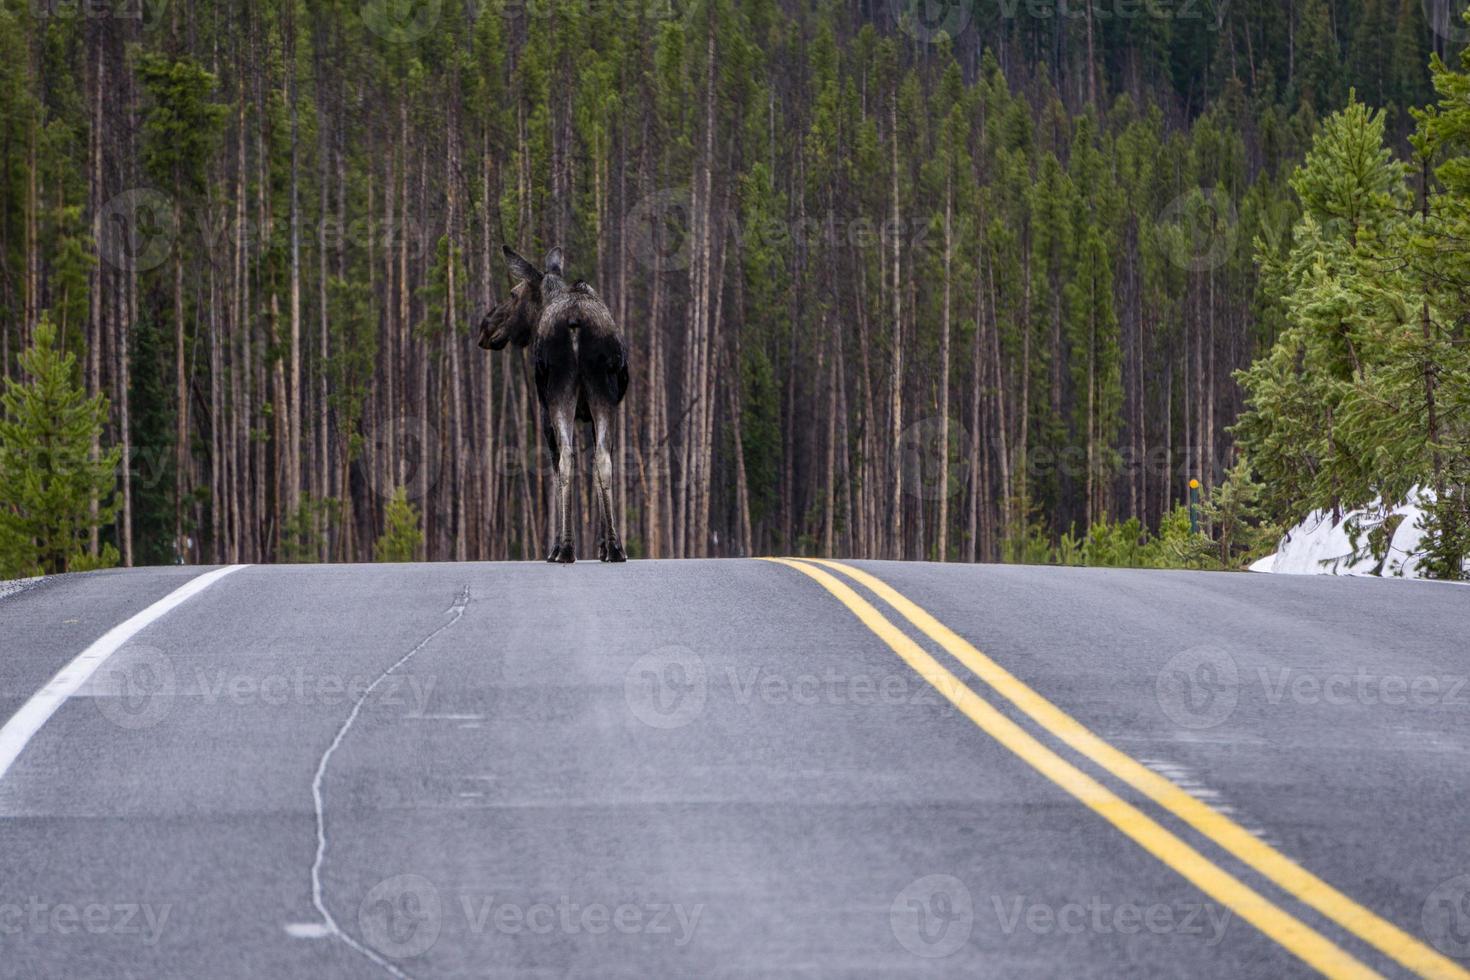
1348, 409
47, 476
1304, 427
307, 529
1233, 514
403, 536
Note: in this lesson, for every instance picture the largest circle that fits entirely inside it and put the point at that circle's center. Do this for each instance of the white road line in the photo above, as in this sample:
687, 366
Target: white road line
19, 730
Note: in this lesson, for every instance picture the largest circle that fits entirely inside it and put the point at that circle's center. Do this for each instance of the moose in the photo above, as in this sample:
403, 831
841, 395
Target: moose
581, 370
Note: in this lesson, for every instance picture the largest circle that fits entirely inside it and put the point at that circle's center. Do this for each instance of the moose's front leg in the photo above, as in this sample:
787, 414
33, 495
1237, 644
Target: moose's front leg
564, 550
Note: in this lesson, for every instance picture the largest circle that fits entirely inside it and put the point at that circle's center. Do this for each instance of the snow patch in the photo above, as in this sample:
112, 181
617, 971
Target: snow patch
1321, 546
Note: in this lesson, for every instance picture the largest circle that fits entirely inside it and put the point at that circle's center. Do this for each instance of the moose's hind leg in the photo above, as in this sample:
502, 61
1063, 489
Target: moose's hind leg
548, 427
601, 515
611, 548
564, 552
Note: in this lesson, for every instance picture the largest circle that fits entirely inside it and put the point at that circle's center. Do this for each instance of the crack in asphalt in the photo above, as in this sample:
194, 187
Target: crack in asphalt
456, 612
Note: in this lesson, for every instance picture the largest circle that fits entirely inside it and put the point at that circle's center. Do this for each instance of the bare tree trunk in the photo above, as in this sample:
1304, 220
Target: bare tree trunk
978, 383
458, 449
323, 440
829, 489
263, 531
870, 536
895, 520
1209, 441
95, 277
1430, 372
217, 474
295, 414
1002, 431
403, 342
181, 428
743, 546
127, 304
625, 424
490, 446
388, 480
1089, 511
33, 235
1091, 60
1023, 413
710, 359
844, 440
124, 417
944, 329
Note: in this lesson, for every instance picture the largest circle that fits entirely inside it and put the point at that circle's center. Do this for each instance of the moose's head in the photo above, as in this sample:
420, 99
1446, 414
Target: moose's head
513, 320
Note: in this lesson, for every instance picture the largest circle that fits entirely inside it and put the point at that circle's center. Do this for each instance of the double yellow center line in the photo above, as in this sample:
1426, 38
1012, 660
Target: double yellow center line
1290, 932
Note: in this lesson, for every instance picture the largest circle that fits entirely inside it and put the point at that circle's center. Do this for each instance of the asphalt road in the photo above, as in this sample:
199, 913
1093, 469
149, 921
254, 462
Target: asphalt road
718, 769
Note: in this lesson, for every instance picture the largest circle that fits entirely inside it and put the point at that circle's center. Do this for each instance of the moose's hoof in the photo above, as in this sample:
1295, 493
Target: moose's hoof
616, 554
602, 551
564, 554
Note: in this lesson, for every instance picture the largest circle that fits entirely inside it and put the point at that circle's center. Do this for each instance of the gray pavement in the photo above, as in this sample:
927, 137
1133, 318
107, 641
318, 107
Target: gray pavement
708, 769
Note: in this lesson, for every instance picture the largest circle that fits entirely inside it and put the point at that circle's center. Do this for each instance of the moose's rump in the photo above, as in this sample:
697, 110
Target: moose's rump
571, 359
603, 367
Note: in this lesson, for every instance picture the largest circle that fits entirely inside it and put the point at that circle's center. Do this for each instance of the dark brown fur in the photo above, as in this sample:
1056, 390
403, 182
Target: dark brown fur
581, 373
512, 321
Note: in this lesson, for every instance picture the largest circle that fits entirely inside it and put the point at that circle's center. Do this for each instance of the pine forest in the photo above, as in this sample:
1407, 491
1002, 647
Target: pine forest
991, 280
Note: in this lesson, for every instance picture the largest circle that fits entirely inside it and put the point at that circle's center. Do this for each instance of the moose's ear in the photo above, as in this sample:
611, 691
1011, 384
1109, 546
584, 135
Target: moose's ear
519, 267
554, 261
